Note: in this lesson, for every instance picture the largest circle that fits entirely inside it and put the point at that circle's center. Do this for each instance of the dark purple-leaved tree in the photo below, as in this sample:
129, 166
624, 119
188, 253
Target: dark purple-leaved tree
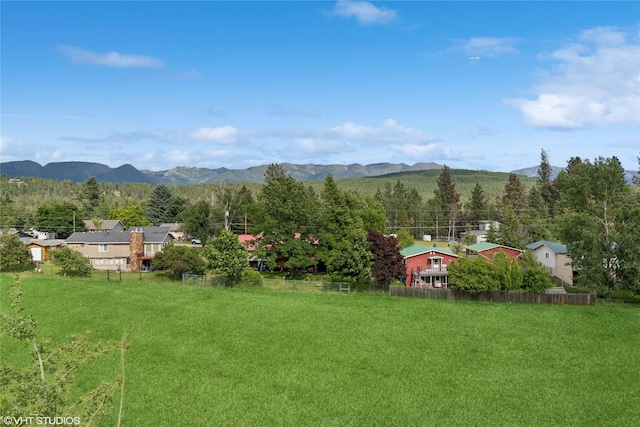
388, 262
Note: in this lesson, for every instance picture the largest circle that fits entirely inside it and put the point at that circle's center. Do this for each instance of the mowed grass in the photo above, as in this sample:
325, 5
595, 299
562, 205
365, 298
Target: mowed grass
203, 356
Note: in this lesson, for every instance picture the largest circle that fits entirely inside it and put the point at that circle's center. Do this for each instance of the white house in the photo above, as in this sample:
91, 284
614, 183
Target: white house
555, 258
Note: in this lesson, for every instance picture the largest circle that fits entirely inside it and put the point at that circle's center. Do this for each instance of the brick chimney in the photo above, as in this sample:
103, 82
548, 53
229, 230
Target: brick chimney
136, 248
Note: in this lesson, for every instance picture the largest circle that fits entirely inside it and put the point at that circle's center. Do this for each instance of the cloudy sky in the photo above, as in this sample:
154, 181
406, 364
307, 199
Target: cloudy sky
477, 85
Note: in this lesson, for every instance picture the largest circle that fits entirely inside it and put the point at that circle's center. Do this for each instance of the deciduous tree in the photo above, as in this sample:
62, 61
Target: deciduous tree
71, 262
598, 217
13, 253
388, 262
196, 221
62, 218
227, 256
131, 214
178, 260
46, 387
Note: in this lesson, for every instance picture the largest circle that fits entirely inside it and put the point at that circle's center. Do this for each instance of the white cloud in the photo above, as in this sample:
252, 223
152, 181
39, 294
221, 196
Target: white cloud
488, 47
364, 12
13, 149
388, 132
596, 81
110, 59
220, 135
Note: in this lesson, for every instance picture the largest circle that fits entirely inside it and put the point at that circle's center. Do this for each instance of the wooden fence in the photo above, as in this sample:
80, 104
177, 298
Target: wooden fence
494, 296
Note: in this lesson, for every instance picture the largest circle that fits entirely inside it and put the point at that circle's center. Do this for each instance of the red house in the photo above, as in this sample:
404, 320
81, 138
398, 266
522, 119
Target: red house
489, 250
427, 266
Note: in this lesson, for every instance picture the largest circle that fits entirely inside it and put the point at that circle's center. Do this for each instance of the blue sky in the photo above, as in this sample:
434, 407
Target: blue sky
475, 85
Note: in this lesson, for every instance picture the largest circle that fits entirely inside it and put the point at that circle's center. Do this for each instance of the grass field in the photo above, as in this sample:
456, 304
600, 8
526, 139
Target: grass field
203, 356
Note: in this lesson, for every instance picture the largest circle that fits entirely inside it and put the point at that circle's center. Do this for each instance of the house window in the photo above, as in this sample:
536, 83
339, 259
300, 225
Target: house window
546, 255
103, 247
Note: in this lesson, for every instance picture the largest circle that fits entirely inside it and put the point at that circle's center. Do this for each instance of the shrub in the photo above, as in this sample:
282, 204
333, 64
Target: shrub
251, 278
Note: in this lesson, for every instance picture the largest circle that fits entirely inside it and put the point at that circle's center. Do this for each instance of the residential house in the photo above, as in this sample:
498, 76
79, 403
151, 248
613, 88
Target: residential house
427, 266
250, 242
92, 226
489, 250
41, 249
176, 230
131, 250
480, 235
553, 256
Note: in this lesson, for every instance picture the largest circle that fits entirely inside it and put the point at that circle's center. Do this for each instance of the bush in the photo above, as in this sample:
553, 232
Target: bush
624, 294
251, 279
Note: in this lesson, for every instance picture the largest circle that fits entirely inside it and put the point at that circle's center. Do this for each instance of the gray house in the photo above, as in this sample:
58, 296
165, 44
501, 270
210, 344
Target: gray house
131, 250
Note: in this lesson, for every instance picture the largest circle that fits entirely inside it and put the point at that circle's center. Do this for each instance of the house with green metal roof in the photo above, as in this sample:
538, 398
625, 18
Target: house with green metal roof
555, 258
489, 250
427, 265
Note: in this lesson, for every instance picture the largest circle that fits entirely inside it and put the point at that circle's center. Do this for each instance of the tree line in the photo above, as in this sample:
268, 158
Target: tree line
588, 206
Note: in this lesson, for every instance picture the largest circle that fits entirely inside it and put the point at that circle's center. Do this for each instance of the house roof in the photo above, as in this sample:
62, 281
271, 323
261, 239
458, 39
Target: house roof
46, 243
555, 247
415, 250
482, 246
151, 235
485, 246
99, 237
107, 224
249, 240
174, 226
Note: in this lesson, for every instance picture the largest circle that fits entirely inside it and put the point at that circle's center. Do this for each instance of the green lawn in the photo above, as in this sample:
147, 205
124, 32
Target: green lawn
203, 356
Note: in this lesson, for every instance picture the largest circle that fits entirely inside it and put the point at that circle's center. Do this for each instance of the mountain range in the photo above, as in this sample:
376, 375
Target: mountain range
183, 175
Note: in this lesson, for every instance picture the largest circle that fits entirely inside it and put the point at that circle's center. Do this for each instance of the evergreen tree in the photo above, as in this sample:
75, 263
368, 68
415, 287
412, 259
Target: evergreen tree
8, 213
511, 233
514, 194
90, 196
536, 218
476, 207
285, 215
161, 207
448, 200
342, 238
546, 186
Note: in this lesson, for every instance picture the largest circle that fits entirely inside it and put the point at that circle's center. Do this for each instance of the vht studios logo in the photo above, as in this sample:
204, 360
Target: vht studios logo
35, 419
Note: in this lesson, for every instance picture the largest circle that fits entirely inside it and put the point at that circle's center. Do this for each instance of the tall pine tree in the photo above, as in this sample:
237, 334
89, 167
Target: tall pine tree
448, 201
